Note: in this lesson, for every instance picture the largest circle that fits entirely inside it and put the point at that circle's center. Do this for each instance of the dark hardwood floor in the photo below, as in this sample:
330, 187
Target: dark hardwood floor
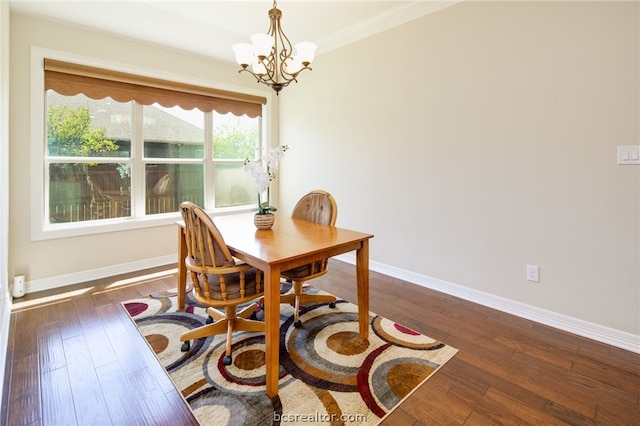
75, 358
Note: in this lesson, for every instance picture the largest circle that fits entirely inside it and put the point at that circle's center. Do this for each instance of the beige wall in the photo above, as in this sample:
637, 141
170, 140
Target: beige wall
480, 139
42, 260
471, 142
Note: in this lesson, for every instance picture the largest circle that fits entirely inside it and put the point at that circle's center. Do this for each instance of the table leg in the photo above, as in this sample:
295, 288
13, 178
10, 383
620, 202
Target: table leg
272, 328
182, 270
362, 277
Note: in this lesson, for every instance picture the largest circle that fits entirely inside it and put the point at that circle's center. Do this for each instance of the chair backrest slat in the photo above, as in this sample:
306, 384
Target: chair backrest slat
317, 206
320, 207
209, 258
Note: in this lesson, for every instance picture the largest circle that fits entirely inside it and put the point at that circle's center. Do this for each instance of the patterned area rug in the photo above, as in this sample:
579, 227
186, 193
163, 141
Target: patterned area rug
327, 374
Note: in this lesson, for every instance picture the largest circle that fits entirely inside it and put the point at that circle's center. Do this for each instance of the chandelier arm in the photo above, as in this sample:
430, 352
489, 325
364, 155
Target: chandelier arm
259, 77
277, 86
285, 53
270, 67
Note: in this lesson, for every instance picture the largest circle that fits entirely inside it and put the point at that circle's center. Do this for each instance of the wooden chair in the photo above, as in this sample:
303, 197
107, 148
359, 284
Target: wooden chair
100, 203
219, 280
319, 207
160, 199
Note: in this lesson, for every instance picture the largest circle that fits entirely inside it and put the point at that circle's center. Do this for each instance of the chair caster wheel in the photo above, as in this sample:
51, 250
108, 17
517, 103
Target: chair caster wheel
297, 324
209, 320
332, 305
226, 360
185, 346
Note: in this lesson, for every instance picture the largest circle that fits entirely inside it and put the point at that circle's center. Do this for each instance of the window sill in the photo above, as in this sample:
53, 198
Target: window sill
79, 229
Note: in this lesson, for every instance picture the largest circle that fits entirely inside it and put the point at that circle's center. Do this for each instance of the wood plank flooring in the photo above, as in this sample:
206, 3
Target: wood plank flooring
75, 358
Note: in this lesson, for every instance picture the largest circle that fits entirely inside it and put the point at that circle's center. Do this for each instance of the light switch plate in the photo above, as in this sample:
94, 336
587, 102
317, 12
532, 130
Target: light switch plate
629, 155
533, 273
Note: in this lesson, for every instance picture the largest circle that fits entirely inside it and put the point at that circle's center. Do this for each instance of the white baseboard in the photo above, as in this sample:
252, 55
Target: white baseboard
94, 274
610, 336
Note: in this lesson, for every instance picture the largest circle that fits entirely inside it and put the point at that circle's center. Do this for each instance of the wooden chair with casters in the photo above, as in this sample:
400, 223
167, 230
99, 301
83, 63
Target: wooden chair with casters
219, 281
319, 207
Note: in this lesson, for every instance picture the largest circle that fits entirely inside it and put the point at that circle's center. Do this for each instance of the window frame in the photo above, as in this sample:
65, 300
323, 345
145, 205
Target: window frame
41, 229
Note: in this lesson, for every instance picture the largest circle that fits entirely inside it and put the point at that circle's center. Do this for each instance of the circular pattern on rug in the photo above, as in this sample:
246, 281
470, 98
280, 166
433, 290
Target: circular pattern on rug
247, 372
399, 335
223, 408
139, 308
163, 335
326, 351
386, 378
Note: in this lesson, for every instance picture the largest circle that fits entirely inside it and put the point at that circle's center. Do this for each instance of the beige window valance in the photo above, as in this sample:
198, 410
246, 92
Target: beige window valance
71, 79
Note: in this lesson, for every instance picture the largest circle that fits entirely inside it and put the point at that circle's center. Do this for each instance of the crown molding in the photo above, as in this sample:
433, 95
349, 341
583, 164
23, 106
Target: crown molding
380, 23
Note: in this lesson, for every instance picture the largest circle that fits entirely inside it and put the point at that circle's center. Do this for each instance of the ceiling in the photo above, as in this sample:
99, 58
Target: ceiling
210, 28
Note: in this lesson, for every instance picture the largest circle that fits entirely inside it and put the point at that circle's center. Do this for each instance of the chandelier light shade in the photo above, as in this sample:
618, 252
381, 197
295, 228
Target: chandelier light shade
270, 57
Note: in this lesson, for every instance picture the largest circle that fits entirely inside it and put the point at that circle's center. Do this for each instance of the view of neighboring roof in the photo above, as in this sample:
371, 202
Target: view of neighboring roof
159, 125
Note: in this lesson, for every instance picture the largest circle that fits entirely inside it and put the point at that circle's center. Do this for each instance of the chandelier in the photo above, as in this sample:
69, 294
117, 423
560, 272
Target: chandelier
269, 57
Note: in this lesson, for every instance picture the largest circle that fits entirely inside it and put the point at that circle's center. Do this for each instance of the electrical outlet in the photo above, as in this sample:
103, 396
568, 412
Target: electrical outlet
533, 273
18, 286
629, 155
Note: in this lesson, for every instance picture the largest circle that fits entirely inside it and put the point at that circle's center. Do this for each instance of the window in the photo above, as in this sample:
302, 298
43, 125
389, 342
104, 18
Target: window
123, 149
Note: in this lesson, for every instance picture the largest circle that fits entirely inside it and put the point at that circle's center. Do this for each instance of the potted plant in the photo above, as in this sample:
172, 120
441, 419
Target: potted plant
263, 173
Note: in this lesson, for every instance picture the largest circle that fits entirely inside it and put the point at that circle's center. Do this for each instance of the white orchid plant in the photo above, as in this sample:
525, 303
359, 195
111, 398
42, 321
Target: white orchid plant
264, 174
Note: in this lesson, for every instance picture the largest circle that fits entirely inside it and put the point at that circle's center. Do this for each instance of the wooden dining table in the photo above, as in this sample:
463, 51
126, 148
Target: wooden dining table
289, 244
